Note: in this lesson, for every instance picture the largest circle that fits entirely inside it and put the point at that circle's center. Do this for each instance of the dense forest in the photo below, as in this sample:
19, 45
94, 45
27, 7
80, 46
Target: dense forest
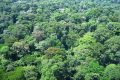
59, 39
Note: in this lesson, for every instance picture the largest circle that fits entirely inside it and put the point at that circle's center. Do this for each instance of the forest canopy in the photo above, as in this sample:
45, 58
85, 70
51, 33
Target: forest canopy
59, 39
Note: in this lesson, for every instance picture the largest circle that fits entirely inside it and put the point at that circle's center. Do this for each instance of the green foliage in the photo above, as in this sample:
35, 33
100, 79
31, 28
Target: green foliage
4, 49
53, 51
88, 71
59, 39
59, 16
9, 39
1, 73
18, 30
112, 52
112, 72
76, 18
30, 73
114, 26
87, 45
92, 76
9, 68
29, 59
42, 45
102, 37
93, 12
17, 74
38, 35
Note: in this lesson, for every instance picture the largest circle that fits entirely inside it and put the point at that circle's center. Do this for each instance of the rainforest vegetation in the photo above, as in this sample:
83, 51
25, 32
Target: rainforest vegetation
59, 39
